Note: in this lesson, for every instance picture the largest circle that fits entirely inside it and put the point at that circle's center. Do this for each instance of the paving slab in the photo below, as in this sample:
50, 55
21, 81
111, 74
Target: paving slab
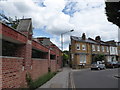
60, 80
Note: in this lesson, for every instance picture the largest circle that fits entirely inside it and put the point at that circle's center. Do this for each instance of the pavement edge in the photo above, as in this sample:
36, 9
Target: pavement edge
71, 84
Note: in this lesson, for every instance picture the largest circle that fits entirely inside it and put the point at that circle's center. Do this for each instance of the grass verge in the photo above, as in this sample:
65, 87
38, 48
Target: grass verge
41, 80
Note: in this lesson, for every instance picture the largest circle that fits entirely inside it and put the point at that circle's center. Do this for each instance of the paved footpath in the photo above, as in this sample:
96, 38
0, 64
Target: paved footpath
60, 80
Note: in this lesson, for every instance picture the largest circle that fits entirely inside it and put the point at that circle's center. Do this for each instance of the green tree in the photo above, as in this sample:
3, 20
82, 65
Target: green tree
113, 12
99, 57
65, 58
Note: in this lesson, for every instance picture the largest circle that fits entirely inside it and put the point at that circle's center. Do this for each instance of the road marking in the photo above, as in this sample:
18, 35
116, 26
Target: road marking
72, 81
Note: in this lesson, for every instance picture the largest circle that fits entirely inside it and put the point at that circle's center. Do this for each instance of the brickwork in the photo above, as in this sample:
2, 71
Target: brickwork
53, 65
0, 73
39, 67
28, 52
12, 34
83, 51
11, 72
13, 69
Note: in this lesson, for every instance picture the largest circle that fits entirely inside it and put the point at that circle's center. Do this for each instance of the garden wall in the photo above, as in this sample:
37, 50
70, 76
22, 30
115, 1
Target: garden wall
39, 68
11, 72
53, 65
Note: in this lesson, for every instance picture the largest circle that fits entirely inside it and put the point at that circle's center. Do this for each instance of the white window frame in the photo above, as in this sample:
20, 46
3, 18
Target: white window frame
107, 49
103, 48
98, 48
83, 61
72, 56
83, 47
78, 46
93, 47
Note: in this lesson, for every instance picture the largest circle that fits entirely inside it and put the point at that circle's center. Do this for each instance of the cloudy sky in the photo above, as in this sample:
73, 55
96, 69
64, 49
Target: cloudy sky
53, 17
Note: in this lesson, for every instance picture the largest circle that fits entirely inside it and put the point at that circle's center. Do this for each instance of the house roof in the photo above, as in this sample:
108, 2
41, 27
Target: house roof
25, 25
90, 40
80, 39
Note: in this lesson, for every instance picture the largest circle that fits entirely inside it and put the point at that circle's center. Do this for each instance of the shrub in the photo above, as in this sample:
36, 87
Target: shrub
40, 81
99, 57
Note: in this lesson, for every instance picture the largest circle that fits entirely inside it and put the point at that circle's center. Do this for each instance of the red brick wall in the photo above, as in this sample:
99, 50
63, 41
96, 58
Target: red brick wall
53, 65
13, 69
39, 67
11, 72
0, 72
9, 32
28, 52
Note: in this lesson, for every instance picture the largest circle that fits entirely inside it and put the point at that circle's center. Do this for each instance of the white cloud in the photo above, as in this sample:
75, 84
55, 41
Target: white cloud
90, 19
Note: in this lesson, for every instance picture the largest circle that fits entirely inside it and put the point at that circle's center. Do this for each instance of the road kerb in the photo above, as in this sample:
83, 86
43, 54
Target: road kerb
71, 82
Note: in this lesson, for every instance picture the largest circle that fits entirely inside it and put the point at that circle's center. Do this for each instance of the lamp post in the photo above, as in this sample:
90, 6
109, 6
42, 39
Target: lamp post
62, 42
62, 38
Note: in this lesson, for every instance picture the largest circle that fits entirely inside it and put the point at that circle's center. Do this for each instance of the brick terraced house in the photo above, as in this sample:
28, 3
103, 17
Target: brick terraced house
23, 54
83, 50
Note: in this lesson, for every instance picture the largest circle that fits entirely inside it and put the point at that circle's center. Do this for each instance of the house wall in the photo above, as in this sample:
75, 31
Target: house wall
77, 55
113, 50
90, 53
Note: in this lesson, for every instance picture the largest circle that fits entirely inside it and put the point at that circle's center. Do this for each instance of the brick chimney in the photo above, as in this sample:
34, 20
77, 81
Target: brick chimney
98, 38
83, 36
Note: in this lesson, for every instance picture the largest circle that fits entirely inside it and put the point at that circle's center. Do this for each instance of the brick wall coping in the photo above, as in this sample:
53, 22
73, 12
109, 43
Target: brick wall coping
38, 59
13, 29
40, 44
11, 57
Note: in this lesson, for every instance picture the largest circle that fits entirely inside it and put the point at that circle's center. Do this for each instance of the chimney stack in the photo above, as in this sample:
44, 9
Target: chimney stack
98, 38
83, 36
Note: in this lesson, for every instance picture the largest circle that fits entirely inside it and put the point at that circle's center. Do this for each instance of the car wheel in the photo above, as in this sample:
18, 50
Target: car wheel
113, 66
99, 69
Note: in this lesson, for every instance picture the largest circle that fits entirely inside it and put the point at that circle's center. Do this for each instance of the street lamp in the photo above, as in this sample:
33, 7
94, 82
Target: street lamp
62, 43
62, 38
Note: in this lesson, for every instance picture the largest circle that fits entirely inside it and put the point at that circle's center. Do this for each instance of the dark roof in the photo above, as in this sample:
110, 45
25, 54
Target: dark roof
80, 39
25, 25
90, 40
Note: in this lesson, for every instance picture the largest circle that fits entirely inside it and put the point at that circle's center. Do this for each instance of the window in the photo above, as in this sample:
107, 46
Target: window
82, 58
103, 48
93, 47
83, 47
107, 49
98, 48
72, 56
78, 46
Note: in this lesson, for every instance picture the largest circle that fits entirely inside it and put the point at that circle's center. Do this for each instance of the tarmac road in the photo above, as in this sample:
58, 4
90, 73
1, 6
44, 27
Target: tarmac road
95, 78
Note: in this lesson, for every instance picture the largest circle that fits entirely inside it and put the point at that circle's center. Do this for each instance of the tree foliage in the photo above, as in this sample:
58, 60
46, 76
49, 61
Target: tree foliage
99, 57
113, 12
65, 57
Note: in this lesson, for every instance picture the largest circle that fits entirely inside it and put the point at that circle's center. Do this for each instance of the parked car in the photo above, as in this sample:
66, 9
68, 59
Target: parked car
98, 66
111, 64
118, 64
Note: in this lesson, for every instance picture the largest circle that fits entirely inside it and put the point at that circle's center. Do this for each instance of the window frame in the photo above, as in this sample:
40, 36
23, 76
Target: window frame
107, 49
103, 49
85, 59
93, 47
98, 49
83, 47
77, 46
